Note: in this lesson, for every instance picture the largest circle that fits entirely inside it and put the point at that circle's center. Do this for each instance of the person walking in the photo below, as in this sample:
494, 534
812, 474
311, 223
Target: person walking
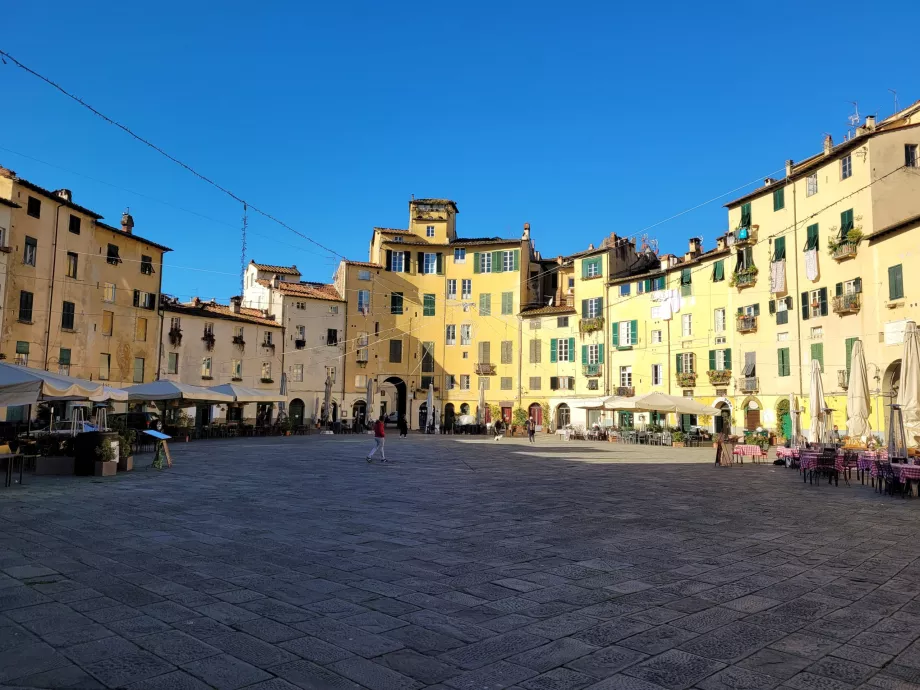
379, 438
531, 429
403, 427
499, 429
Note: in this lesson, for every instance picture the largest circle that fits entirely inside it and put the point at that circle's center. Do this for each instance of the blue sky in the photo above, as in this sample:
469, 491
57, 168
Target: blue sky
581, 118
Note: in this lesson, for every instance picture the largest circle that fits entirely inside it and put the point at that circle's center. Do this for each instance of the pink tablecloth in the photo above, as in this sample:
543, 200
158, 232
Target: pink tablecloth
752, 450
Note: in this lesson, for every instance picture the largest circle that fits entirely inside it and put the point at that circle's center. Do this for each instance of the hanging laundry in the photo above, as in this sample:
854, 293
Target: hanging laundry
661, 295
675, 301
662, 311
778, 276
811, 264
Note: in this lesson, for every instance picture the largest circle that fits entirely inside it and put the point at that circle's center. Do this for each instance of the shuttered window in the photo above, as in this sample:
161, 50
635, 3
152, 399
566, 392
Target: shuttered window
895, 282
782, 361
395, 351
485, 304
507, 303
507, 353
428, 305
817, 353
779, 248
846, 223
535, 351
485, 352
849, 351
779, 199
811, 241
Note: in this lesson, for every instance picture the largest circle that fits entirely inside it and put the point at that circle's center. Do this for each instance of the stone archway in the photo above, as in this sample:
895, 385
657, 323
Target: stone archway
464, 408
295, 411
722, 422
891, 381
535, 412
359, 411
449, 416
563, 415
784, 418
399, 405
752, 409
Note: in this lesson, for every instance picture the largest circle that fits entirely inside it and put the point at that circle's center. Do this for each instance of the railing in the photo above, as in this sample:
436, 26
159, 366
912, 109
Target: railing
844, 250
625, 391
484, 369
744, 278
743, 237
589, 325
239, 342
593, 369
746, 324
847, 304
686, 379
748, 384
300, 344
720, 377
843, 378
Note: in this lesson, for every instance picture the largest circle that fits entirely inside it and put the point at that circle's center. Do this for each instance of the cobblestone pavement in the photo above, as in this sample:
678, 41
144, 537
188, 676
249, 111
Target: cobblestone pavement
462, 563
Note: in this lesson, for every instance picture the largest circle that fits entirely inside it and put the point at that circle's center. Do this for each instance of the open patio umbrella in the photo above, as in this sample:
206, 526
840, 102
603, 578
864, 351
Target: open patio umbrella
909, 390
173, 390
327, 400
817, 404
26, 386
858, 403
616, 402
370, 416
241, 394
429, 406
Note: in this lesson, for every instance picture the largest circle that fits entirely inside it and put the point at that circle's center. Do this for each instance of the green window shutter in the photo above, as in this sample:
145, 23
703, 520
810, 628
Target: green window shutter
600, 354
822, 298
440, 261
812, 237
475, 262
584, 354
634, 331
712, 360
585, 264
407, 262
740, 311
497, 261
584, 309
552, 350
64, 357
571, 349
782, 361
779, 199
746, 215
728, 358
600, 306
679, 365
428, 305
817, 352
647, 284
616, 334
389, 259
895, 282
838, 289
517, 259
686, 278
757, 309
420, 265
779, 249
771, 306
846, 223
857, 284
805, 309
849, 348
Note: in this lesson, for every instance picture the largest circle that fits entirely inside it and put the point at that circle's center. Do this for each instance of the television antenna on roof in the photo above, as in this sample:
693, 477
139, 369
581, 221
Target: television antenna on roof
895, 94
854, 118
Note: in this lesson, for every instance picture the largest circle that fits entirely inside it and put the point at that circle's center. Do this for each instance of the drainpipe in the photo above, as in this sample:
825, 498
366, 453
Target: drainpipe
57, 216
160, 313
795, 240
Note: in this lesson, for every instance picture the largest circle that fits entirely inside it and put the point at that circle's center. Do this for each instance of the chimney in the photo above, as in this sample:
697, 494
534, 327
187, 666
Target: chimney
591, 247
196, 301
789, 165
870, 123
828, 144
767, 181
235, 304
6, 172
276, 281
64, 194
526, 235
720, 242
696, 246
127, 223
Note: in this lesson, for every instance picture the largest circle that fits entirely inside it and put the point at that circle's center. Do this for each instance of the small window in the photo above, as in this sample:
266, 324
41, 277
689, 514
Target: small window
34, 207
428, 305
485, 304
330, 373
467, 288
535, 383
656, 374
364, 301
485, 262
910, 155
138, 370
626, 379
562, 322
562, 350
508, 260
507, 351
172, 363
430, 263
451, 288
779, 199
68, 310
464, 384
398, 262
334, 309
108, 292
22, 353
266, 372
656, 336
71, 265
297, 373
332, 336
507, 303
64, 361
429, 231
205, 367
686, 321
107, 318
30, 251
236, 369
895, 282
25, 306
466, 334
450, 336
105, 366
846, 167
364, 275
74, 226
719, 320
396, 303
460, 255
811, 185
140, 329
111, 256
146, 265
396, 351
507, 383
624, 290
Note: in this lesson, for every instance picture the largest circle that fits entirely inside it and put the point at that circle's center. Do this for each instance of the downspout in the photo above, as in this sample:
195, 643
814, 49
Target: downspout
160, 313
795, 240
57, 216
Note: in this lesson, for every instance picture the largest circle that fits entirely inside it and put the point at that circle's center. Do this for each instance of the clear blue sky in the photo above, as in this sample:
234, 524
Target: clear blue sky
579, 118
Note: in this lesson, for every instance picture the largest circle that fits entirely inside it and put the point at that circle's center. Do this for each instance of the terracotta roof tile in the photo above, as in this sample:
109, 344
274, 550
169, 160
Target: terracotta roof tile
368, 264
323, 291
223, 311
396, 230
282, 270
544, 311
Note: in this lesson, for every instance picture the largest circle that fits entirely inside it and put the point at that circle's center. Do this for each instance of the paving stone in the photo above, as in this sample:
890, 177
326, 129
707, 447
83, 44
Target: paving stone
89, 652
424, 640
225, 672
707, 620
353, 639
732, 642
268, 630
28, 659
175, 680
737, 678
176, 647
806, 645
560, 626
751, 603
478, 654
495, 676
675, 669
372, 675
607, 661
62, 677
842, 670
559, 679
309, 676
374, 621
774, 663
25, 572
15, 635
278, 610
124, 669
391, 607
138, 626
622, 682
609, 632
315, 650
554, 654
420, 667
251, 650
809, 681
658, 639
225, 613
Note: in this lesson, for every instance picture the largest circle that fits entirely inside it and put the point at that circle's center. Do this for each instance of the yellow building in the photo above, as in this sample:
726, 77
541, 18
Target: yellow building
81, 296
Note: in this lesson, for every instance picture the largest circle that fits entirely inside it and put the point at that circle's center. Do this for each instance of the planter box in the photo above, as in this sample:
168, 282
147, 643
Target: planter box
106, 468
54, 464
126, 464
677, 444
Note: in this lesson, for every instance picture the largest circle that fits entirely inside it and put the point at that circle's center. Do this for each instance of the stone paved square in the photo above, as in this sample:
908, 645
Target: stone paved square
462, 563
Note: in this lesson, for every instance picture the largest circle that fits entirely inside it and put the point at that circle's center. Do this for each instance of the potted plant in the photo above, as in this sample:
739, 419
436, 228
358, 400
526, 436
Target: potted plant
183, 425
126, 441
519, 421
677, 439
544, 406
107, 462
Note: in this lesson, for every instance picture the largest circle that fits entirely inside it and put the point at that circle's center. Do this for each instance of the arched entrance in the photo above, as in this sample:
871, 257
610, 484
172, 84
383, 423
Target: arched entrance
295, 411
449, 415
423, 415
359, 411
535, 412
751, 414
398, 404
465, 408
891, 382
722, 422
784, 418
563, 416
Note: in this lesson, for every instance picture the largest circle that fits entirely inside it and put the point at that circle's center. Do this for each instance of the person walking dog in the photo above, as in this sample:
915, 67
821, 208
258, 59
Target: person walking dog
379, 438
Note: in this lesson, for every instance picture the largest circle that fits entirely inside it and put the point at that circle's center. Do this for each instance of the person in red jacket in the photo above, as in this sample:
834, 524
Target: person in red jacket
379, 438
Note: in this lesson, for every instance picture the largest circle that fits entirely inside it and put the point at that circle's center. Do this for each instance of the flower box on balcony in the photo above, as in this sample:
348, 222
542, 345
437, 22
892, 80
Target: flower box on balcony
208, 339
844, 250
720, 377
484, 369
269, 346
207, 378
265, 380
748, 384
236, 378
847, 304
589, 325
744, 278
592, 369
175, 336
746, 324
686, 379
625, 391
239, 342
300, 344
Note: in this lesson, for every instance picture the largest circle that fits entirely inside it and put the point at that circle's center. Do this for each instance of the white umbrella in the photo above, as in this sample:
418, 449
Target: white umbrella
796, 415
817, 404
660, 402
909, 390
26, 386
858, 404
616, 402
370, 401
173, 390
327, 400
316, 410
429, 406
241, 394
481, 409
282, 394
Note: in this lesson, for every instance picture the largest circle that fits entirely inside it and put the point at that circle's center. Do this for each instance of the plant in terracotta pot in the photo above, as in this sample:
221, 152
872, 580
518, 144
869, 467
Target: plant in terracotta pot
519, 421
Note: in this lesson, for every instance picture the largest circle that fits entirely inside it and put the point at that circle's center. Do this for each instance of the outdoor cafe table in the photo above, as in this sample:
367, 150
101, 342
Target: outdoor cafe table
9, 458
748, 449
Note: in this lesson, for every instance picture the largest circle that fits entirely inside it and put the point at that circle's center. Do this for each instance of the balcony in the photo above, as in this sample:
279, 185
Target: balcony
748, 384
686, 379
300, 344
843, 379
175, 336
847, 304
746, 324
720, 377
239, 342
208, 339
625, 391
593, 369
844, 250
589, 325
484, 369
269, 346
742, 237
746, 277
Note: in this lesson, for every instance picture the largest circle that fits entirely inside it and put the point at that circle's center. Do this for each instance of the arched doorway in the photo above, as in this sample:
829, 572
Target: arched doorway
465, 408
784, 418
751, 415
423, 415
449, 415
563, 416
891, 382
722, 422
398, 405
295, 411
359, 411
535, 412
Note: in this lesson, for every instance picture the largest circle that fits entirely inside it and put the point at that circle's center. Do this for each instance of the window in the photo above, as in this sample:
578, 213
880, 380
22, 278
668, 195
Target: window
485, 304
22, 353
656, 374
910, 155
750, 310
332, 337
562, 350
74, 225
811, 187
817, 332
592, 308
108, 292
535, 324
144, 300
686, 282
466, 334
467, 289
397, 263
895, 282
172, 363
562, 383
720, 360
428, 357
782, 310
485, 352
334, 309
138, 370
656, 336
429, 231
25, 306
364, 301
71, 265
817, 353
535, 351
507, 383
591, 354
591, 268
779, 249
451, 288
571, 283
361, 350
364, 275
464, 382
112, 255
396, 303
719, 320
266, 372
746, 215
593, 385
105, 366
562, 322
485, 262
483, 383
686, 325
430, 263
330, 374
626, 377
451, 334
508, 260
206, 367
685, 363
782, 336
718, 271
848, 346
811, 237
507, 303
535, 383
108, 318
34, 207
624, 290
428, 305
459, 255
395, 351
846, 167
68, 309
625, 333
814, 303
507, 352
236, 368
779, 199
783, 364
209, 330
140, 329
30, 251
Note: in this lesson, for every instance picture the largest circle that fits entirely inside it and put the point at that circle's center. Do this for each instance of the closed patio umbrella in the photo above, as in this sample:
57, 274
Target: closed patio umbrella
282, 394
370, 401
481, 408
817, 404
327, 400
796, 414
858, 403
429, 406
316, 410
909, 390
